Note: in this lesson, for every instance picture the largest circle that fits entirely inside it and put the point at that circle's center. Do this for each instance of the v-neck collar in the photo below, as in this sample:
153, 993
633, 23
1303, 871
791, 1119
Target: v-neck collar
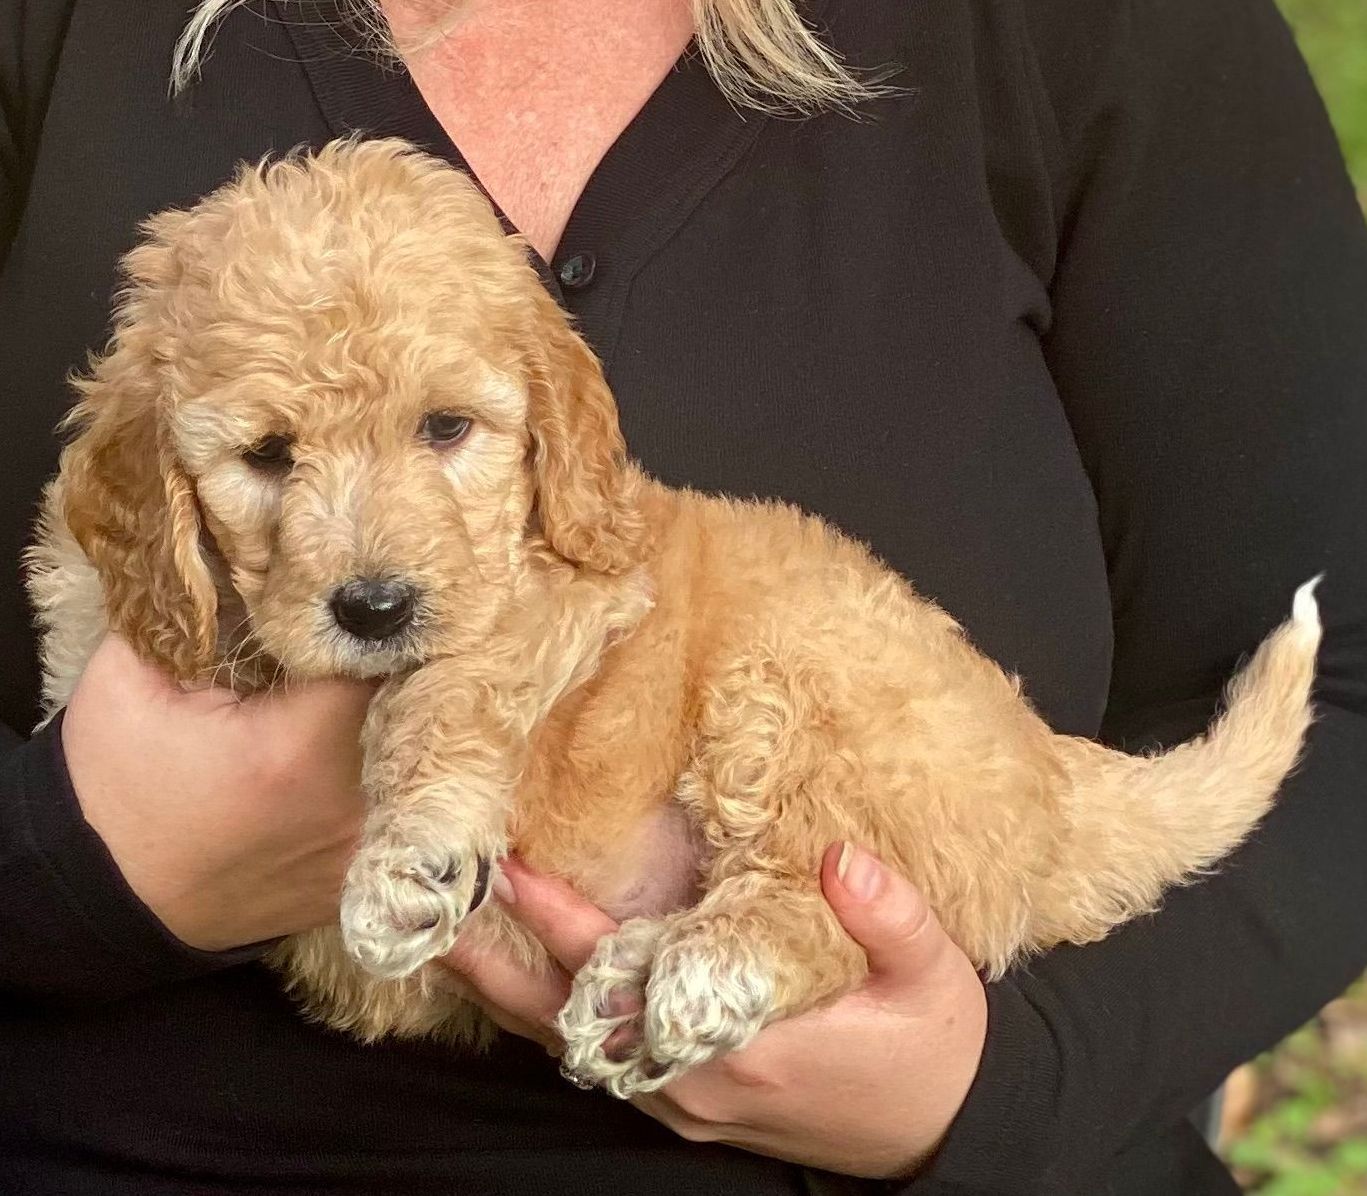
674, 151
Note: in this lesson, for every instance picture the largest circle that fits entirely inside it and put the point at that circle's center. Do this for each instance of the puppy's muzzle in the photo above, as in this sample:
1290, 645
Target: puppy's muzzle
374, 610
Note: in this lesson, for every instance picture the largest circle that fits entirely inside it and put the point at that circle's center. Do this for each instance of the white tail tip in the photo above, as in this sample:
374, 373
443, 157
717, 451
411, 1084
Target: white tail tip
1304, 609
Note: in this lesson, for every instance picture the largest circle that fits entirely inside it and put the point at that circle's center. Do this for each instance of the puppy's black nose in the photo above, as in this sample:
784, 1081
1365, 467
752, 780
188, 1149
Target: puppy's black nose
374, 610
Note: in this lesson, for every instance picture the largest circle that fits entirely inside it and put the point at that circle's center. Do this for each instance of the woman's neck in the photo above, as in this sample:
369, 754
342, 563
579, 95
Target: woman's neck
534, 94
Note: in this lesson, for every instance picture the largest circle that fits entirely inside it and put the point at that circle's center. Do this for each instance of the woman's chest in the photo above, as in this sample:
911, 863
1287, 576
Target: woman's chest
873, 356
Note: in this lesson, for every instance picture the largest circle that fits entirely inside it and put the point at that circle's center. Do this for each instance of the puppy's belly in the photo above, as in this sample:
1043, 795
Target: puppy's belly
660, 870
652, 871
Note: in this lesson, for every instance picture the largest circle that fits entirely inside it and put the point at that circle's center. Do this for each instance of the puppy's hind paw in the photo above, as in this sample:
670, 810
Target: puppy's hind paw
704, 999
601, 1023
660, 998
402, 904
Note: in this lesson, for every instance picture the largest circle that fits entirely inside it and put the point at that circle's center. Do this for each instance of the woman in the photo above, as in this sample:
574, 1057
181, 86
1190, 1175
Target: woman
1065, 321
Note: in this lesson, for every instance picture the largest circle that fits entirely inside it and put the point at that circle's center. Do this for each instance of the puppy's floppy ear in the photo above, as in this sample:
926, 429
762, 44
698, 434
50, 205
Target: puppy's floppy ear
132, 508
586, 494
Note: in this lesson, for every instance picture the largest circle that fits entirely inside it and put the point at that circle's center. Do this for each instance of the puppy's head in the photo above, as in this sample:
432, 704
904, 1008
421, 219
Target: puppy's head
339, 389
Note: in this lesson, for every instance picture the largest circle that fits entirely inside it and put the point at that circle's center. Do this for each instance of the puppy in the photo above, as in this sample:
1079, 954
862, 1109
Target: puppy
341, 429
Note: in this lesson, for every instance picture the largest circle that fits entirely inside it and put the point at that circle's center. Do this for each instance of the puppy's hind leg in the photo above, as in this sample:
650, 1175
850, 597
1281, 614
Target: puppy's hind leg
768, 790
443, 757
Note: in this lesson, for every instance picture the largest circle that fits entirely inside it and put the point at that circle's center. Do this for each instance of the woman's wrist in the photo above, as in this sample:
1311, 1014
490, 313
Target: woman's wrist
84, 935
1004, 1136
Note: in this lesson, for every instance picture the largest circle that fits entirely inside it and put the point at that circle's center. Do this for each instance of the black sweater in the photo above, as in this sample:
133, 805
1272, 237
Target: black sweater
1073, 332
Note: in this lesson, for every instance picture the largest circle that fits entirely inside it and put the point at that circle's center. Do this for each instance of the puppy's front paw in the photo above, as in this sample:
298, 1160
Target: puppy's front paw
405, 897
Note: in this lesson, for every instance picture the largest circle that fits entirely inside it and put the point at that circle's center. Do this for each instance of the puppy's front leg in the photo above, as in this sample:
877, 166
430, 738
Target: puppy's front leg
443, 756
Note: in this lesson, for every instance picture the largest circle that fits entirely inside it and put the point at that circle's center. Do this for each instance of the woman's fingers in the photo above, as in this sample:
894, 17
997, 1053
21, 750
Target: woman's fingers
525, 999
536, 1032
568, 925
884, 914
521, 999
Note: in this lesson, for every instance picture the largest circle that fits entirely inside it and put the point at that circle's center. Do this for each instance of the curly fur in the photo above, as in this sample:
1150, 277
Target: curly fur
598, 661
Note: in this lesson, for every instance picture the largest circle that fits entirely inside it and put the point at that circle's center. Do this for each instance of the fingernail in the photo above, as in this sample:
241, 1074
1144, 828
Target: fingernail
503, 887
859, 872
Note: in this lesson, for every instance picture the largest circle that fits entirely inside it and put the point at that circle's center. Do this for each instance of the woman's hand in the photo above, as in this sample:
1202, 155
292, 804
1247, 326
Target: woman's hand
867, 1087
233, 820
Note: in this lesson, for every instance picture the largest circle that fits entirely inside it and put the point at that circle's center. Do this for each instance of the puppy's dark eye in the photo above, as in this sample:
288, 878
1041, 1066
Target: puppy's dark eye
444, 427
274, 454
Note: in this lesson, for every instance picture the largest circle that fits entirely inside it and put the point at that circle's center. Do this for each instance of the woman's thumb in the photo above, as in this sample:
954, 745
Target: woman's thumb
882, 912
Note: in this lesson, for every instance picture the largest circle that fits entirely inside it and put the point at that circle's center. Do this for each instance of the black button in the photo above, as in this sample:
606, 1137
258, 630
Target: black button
577, 271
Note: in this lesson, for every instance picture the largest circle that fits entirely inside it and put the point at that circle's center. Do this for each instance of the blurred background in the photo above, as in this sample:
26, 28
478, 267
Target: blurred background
1333, 37
1295, 1122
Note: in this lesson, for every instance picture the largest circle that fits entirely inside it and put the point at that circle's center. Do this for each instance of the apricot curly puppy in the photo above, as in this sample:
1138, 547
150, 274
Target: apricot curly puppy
342, 429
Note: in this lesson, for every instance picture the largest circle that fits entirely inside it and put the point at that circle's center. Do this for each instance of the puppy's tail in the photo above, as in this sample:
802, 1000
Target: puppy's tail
1142, 824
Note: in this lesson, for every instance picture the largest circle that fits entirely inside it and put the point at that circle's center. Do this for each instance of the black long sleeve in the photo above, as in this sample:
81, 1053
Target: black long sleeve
1209, 340
30, 43
71, 930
